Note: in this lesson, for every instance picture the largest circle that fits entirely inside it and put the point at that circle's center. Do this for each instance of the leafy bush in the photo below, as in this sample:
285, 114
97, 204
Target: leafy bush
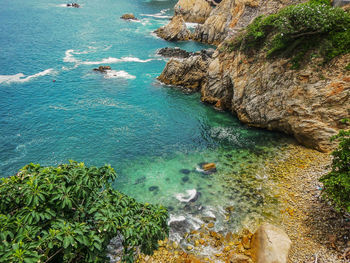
337, 182
70, 213
297, 29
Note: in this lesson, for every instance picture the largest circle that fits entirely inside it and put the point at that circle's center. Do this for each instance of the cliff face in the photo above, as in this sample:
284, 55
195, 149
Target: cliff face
307, 103
195, 11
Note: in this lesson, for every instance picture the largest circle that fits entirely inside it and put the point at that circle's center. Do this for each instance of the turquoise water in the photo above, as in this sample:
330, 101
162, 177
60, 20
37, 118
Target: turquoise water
53, 107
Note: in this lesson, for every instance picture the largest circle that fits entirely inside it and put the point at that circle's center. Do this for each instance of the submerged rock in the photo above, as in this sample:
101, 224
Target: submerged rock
174, 31
270, 244
153, 188
185, 171
185, 179
128, 17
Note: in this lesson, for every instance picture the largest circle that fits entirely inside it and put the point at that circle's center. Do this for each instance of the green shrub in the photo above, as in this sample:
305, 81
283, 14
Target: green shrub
70, 213
298, 29
337, 182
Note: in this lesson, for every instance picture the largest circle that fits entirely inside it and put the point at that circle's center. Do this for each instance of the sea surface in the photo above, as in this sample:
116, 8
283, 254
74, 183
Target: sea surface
54, 107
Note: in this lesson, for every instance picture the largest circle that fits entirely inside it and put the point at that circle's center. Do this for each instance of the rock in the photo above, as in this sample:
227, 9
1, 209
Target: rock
195, 11
270, 244
209, 166
128, 17
102, 69
185, 179
185, 171
274, 96
174, 31
73, 5
340, 3
174, 52
179, 225
239, 258
210, 225
188, 73
153, 188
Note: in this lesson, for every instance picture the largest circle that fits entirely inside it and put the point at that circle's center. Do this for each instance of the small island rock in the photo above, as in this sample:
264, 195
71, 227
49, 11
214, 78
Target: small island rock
128, 17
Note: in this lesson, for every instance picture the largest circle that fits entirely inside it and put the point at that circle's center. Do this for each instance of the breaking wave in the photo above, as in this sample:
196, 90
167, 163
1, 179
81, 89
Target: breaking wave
20, 77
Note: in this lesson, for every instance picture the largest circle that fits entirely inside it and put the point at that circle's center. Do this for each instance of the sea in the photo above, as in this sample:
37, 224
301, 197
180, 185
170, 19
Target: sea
54, 107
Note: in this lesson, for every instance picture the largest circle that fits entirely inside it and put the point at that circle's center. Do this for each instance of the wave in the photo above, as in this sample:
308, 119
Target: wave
189, 196
69, 58
113, 74
20, 77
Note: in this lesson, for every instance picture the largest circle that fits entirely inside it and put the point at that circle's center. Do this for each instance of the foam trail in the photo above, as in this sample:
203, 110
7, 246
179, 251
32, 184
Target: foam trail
113, 74
191, 194
20, 77
69, 58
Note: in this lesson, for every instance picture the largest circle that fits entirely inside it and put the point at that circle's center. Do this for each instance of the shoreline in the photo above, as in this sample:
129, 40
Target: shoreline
317, 232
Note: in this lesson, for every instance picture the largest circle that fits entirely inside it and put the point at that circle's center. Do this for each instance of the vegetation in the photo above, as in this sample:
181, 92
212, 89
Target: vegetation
297, 31
337, 182
70, 213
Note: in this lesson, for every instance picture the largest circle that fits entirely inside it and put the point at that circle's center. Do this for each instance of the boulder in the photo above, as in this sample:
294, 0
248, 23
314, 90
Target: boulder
270, 244
174, 31
128, 17
102, 69
239, 258
209, 166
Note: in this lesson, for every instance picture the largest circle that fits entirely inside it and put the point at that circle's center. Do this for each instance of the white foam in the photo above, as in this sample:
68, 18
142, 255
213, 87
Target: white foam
20, 77
176, 219
191, 25
190, 194
157, 16
113, 74
69, 58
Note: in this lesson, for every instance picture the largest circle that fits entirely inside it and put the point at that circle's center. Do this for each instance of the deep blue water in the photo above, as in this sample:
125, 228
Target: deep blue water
53, 107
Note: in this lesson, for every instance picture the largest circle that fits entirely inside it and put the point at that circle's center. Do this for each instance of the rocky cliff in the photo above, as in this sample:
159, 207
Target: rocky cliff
307, 103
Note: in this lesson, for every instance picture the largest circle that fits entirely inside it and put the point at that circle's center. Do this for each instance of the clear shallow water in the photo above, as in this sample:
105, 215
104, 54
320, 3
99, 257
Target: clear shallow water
146, 131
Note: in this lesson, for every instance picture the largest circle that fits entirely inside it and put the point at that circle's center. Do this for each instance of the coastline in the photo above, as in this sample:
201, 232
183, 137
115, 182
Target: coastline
318, 233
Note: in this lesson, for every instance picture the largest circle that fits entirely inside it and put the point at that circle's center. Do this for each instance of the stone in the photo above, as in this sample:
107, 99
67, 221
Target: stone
102, 69
128, 17
173, 52
209, 166
185, 179
239, 258
270, 244
340, 3
185, 171
211, 225
153, 188
174, 31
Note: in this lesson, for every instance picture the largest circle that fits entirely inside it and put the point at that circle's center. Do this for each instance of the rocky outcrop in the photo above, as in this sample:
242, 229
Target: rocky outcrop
176, 52
340, 3
270, 244
189, 73
175, 30
128, 17
307, 103
103, 69
195, 11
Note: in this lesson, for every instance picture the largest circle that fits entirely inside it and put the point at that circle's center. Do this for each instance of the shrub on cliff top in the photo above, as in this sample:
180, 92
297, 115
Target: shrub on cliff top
69, 213
296, 29
337, 182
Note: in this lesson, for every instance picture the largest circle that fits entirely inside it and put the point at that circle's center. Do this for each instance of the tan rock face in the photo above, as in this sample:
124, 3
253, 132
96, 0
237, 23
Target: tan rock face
306, 103
175, 30
195, 11
270, 244
188, 73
